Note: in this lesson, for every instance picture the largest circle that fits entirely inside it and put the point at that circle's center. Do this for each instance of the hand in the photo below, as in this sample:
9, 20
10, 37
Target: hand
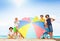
52, 19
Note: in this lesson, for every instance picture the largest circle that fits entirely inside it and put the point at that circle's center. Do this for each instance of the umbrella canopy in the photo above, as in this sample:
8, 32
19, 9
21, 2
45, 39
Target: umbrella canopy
30, 29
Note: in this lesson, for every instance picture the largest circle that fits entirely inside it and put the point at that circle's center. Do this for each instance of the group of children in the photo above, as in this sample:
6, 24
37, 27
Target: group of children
13, 32
47, 24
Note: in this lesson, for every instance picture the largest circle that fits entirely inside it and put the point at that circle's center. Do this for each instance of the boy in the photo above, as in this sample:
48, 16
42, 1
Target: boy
11, 33
49, 24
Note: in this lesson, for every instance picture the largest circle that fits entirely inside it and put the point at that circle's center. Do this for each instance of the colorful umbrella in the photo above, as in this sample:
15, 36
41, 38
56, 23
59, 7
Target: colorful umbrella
31, 29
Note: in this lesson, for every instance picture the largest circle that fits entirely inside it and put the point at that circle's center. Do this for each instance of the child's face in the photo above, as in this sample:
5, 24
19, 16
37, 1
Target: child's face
16, 19
47, 17
11, 29
41, 16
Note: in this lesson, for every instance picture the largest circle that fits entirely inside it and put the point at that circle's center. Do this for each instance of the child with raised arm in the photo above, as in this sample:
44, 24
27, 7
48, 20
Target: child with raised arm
49, 24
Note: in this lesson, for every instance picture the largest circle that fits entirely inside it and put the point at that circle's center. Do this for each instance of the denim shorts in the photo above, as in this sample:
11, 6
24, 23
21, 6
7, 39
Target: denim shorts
50, 28
47, 30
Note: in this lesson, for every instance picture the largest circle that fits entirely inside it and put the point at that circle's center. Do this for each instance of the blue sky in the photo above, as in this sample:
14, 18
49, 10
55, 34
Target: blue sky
9, 9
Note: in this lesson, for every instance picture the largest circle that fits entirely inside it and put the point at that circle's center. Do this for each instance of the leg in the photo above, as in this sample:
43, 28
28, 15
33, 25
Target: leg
51, 31
16, 33
46, 35
51, 35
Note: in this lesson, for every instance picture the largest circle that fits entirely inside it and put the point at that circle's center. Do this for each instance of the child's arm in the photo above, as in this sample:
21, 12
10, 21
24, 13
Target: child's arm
45, 24
52, 19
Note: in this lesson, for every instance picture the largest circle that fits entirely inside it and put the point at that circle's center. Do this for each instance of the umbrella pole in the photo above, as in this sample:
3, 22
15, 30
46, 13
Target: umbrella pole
21, 36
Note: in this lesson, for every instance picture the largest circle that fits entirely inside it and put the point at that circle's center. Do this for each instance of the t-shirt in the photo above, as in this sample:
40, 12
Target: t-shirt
42, 19
49, 21
11, 33
16, 23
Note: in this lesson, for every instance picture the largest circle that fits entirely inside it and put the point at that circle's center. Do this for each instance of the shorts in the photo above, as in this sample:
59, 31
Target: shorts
50, 28
47, 30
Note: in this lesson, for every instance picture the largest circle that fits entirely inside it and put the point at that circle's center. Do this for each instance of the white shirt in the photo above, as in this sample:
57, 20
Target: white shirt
16, 23
11, 33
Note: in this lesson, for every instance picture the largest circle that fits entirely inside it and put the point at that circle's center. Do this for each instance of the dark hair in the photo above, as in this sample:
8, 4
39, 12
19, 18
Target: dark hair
10, 28
16, 18
41, 15
47, 15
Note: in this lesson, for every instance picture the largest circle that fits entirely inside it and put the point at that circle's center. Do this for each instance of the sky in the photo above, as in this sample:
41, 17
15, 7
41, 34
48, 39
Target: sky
9, 9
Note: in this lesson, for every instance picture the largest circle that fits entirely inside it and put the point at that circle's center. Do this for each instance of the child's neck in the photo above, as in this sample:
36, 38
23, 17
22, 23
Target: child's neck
16, 21
41, 18
11, 30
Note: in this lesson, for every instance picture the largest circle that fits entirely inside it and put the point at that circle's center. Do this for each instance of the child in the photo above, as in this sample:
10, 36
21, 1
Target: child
16, 23
49, 24
11, 33
42, 20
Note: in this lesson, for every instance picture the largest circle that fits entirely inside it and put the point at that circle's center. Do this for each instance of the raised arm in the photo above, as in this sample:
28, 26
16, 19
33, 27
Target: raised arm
52, 19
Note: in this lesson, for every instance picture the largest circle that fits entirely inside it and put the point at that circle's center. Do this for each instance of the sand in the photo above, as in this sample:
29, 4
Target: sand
27, 40
57, 39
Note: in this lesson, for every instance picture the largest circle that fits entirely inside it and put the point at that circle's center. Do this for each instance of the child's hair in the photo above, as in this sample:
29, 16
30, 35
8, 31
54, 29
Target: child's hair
10, 28
16, 18
47, 15
41, 15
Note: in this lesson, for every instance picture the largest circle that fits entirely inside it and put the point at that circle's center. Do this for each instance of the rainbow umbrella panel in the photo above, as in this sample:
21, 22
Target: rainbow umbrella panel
31, 28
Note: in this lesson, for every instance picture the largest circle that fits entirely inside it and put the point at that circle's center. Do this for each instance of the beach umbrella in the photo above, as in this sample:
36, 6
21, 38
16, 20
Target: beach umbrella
35, 19
30, 29
24, 21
